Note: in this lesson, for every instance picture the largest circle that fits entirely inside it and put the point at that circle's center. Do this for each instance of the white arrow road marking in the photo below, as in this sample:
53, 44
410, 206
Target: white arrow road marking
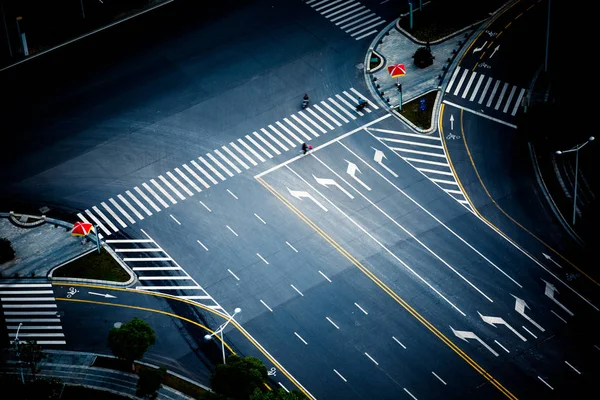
495, 50
520, 306
497, 320
106, 295
476, 49
326, 181
378, 157
351, 170
299, 194
550, 258
451, 122
464, 335
549, 291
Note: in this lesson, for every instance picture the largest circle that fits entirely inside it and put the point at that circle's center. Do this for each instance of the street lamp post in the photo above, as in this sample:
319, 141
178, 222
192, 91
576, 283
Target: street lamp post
18, 354
220, 331
576, 150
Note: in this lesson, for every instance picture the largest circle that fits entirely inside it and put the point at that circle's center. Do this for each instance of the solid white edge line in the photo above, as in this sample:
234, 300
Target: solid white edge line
480, 114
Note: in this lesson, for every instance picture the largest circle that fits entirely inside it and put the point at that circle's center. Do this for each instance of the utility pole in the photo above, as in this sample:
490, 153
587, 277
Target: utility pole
6, 29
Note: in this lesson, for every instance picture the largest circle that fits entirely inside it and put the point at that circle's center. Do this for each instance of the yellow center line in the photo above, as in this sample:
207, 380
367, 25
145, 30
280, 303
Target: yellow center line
233, 322
389, 291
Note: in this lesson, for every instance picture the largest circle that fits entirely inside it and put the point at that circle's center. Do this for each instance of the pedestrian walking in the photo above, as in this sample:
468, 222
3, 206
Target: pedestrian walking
305, 148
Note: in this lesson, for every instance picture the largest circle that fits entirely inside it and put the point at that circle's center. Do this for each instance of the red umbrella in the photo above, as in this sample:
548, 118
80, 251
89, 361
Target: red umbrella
397, 70
81, 229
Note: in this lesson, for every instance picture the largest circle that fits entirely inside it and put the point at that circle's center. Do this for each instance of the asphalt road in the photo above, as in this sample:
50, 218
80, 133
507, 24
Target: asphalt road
358, 275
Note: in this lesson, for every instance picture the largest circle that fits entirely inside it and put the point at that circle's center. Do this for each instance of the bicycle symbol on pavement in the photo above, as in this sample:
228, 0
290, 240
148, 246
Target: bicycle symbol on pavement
272, 371
452, 136
71, 292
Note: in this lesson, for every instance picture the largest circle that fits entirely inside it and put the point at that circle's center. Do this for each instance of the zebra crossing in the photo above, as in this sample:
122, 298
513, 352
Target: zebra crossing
349, 15
485, 91
30, 312
200, 174
157, 272
426, 154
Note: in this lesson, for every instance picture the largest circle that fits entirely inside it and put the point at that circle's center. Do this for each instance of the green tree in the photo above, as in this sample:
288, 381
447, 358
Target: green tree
7, 253
131, 340
149, 382
423, 57
277, 395
239, 378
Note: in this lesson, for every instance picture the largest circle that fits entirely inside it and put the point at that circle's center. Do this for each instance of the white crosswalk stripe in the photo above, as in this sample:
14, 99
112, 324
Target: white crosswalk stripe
426, 154
345, 13
222, 163
30, 310
487, 91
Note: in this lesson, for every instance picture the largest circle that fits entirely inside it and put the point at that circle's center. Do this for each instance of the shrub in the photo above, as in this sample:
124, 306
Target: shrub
7, 253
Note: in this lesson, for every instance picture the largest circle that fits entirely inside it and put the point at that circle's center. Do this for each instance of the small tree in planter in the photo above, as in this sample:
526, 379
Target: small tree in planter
423, 57
7, 253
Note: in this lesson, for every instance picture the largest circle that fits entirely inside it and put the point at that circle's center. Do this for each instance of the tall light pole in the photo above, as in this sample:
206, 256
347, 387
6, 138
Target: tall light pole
576, 150
18, 354
220, 331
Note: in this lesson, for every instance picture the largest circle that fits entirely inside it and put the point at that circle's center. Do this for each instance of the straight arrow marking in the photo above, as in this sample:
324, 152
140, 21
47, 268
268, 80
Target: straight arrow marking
549, 291
378, 157
108, 296
520, 306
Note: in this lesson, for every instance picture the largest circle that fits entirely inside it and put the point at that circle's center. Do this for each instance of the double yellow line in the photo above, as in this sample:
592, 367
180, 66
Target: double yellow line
389, 291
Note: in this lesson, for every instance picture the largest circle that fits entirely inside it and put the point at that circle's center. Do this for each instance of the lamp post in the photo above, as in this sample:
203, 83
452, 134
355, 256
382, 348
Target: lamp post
220, 331
576, 150
18, 354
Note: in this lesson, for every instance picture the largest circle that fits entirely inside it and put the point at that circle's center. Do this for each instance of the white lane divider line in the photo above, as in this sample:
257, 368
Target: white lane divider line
188, 180
231, 193
545, 383
206, 174
340, 375
574, 369
372, 359
177, 181
332, 323
288, 243
174, 219
234, 275
156, 196
558, 316
325, 276
528, 331
114, 215
503, 348
195, 175
299, 292
441, 380
143, 195
265, 304
300, 337
232, 231
201, 244
170, 186
261, 257
205, 206
284, 388
139, 203
361, 309
409, 393
163, 191
121, 210
261, 220
397, 341
103, 216
124, 200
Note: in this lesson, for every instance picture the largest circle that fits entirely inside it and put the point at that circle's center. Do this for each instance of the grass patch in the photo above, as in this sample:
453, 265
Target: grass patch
94, 266
411, 112
432, 23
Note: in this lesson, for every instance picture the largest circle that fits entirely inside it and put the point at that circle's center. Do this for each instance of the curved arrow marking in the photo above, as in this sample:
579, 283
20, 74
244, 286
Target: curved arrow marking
330, 182
497, 320
464, 335
299, 194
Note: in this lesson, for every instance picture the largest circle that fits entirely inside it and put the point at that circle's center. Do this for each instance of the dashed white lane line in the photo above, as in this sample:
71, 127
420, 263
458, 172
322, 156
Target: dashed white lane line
195, 175
284, 388
528, 331
397, 341
372, 359
265, 304
234, 275
156, 196
163, 191
340, 375
503, 348
558, 316
288, 243
201, 244
174, 219
261, 220
332, 323
409, 393
261, 257
574, 369
205, 206
231, 193
121, 210
143, 195
300, 337
441, 380
299, 292
231, 230
325, 276
361, 309
545, 383
170, 186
